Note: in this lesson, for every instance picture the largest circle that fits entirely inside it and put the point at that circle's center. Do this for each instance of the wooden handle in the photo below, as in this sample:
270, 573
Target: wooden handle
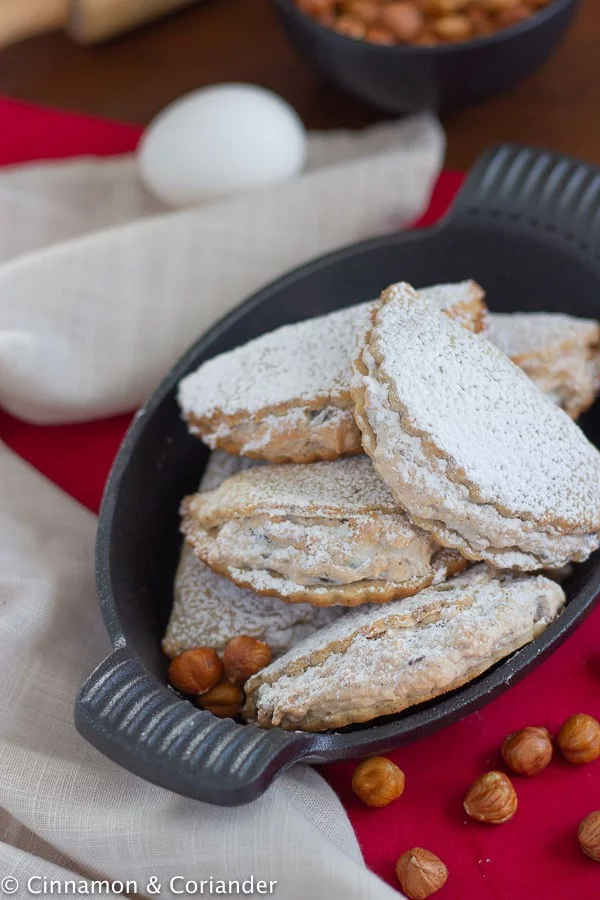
96, 20
20, 19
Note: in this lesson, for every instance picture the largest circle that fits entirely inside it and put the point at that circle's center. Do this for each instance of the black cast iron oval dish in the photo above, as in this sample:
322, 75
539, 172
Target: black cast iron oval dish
526, 225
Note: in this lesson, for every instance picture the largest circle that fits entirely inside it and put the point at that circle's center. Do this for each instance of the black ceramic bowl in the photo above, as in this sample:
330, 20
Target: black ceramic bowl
527, 226
403, 79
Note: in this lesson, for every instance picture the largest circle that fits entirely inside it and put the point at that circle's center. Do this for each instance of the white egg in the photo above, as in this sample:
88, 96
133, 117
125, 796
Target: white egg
218, 141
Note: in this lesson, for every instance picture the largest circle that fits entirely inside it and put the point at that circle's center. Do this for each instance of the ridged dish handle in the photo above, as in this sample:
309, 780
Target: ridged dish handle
144, 726
530, 190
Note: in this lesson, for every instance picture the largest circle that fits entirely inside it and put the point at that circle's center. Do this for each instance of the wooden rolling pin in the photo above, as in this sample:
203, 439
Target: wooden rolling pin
86, 21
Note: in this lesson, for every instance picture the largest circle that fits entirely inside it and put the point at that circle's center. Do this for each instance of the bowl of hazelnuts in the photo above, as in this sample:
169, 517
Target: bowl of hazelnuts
410, 55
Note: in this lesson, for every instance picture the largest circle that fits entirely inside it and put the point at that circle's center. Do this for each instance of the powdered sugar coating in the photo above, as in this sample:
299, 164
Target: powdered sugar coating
524, 333
382, 660
308, 362
208, 609
340, 488
469, 445
559, 352
329, 533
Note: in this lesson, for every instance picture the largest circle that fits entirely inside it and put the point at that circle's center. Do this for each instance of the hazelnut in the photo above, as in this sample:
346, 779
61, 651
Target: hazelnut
528, 751
443, 7
512, 16
365, 10
404, 20
453, 28
579, 739
491, 798
588, 835
226, 699
427, 39
244, 656
378, 781
378, 35
481, 23
420, 873
496, 5
351, 26
195, 671
315, 7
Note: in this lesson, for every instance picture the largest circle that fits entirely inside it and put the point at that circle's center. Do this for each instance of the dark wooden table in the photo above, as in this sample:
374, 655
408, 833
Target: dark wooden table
132, 77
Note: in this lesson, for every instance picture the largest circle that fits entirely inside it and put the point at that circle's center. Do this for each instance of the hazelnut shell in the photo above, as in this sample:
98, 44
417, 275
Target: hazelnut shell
244, 656
528, 751
195, 671
491, 799
420, 873
378, 781
225, 700
588, 835
579, 739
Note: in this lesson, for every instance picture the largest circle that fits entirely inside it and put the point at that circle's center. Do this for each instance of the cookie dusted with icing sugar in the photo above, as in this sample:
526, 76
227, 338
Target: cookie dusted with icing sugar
208, 609
560, 353
285, 397
469, 446
383, 660
327, 534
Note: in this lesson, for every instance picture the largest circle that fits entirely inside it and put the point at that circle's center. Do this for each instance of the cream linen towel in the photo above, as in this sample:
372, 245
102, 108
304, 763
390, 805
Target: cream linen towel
64, 805
87, 327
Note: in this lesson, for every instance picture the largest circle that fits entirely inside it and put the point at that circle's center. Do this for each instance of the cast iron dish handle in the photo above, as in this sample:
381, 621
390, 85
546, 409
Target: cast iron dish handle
146, 727
529, 189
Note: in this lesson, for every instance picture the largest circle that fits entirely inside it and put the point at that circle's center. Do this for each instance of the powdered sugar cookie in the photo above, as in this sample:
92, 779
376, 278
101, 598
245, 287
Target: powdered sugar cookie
208, 609
286, 395
560, 353
381, 660
328, 533
469, 446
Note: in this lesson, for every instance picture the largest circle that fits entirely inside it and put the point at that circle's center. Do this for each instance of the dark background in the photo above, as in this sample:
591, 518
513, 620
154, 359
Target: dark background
133, 76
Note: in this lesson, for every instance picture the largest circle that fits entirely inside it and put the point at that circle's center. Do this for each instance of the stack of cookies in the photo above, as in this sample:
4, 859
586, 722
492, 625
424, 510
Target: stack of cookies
392, 487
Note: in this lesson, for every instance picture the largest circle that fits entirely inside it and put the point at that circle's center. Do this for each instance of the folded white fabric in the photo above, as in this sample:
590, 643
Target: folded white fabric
100, 292
64, 805
89, 324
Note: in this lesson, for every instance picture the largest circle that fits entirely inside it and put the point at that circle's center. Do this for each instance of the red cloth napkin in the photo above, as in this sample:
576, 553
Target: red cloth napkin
532, 857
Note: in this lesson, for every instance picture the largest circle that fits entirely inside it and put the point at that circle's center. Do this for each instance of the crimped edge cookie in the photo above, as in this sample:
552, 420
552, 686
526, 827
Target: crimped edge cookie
561, 353
437, 494
209, 610
305, 427
343, 490
381, 661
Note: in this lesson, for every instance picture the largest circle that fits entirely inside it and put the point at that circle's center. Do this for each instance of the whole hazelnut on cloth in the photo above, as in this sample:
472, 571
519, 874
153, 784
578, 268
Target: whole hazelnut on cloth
588, 835
528, 751
225, 700
579, 739
378, 781
420, 873
492, 799
244, 656
195, 671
